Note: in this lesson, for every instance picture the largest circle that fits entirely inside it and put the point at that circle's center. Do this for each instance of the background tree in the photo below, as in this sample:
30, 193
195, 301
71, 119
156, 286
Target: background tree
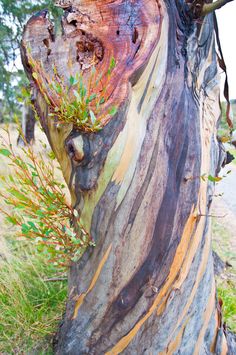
13, 14
148, 285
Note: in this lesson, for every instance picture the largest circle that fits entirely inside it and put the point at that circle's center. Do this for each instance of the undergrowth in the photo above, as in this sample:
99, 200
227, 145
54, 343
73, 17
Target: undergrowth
227, 292
226, 283
31, 305
35, 203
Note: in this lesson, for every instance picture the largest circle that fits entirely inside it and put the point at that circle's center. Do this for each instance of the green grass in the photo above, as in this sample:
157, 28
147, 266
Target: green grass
226, 283
30, 307
228, 295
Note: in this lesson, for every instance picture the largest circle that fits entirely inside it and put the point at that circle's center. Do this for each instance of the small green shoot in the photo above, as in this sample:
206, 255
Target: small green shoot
78, 103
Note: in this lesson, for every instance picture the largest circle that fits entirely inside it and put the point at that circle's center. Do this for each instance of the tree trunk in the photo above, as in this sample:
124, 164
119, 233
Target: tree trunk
148, 285
27, 125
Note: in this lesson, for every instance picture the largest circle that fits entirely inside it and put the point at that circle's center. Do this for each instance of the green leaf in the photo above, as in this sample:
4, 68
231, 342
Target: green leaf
24, 228
48, 231
18, 194
33, 226
102, 101
73, 81
113, 111
25, 93
5, 152
51, 155
11, 220
77, 95
91, 98
92, 117
19, 207
112, 63
214, 178
57, 87
83, 90
31, 166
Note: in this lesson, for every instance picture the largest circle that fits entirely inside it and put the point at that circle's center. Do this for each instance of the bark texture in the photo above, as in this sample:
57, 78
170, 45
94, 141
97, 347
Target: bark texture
148, 286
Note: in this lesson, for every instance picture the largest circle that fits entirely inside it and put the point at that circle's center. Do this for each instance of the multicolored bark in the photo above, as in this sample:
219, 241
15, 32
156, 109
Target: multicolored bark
148, 285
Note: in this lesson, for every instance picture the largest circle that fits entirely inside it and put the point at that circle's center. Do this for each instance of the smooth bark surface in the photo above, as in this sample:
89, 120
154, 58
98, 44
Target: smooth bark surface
148, 286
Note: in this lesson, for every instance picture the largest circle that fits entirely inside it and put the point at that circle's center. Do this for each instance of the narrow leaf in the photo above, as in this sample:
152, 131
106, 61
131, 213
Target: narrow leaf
5, 152
93, 117
113, 111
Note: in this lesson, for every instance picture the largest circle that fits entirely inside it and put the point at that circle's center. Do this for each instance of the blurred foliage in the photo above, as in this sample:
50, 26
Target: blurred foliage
223, 130
13, 15
223, 245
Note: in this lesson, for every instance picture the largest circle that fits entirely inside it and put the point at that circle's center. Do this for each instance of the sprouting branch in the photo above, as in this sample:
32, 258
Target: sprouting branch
208, 8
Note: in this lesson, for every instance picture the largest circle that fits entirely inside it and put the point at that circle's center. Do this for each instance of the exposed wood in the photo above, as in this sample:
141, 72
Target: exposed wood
148, 285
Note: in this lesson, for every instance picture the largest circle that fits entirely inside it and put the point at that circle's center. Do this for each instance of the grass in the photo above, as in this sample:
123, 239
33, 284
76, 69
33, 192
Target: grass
31, 307
222, 242
226, 283
227, 293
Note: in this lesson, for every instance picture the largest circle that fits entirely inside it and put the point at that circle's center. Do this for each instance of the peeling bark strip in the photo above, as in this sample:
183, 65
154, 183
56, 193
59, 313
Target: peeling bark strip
148, 285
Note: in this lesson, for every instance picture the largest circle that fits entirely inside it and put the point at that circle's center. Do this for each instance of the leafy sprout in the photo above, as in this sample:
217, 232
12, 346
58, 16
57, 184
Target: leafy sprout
76, 102
35, 202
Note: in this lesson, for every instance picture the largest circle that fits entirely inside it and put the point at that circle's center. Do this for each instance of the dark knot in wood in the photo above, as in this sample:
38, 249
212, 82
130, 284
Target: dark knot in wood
74, 149
89, 50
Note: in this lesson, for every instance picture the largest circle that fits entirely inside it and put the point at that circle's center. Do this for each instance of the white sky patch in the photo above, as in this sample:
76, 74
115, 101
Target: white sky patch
226, 17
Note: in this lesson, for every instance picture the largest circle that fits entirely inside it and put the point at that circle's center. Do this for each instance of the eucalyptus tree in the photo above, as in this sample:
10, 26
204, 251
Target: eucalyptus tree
138, 183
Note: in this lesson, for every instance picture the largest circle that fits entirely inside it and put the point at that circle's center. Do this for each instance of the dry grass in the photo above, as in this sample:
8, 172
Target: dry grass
30, 306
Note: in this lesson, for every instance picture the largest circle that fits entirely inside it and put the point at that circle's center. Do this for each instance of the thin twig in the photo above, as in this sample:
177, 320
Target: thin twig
211, 215
54, 279
208, 8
